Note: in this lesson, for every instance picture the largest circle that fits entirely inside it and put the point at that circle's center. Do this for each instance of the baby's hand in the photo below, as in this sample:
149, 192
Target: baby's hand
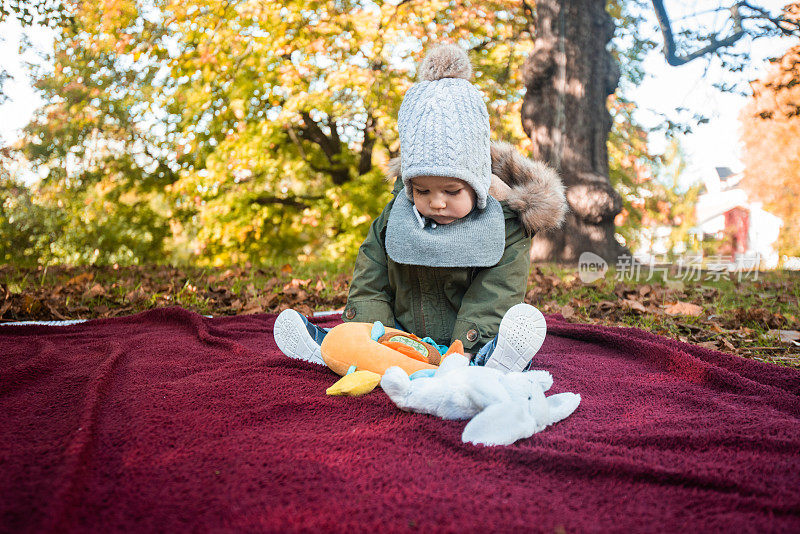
498, 188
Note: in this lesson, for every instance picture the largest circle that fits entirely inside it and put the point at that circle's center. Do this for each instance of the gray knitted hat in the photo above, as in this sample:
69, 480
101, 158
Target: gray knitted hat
443, 124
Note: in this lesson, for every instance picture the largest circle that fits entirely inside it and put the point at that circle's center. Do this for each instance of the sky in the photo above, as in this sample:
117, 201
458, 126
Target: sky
22, 99
715, 144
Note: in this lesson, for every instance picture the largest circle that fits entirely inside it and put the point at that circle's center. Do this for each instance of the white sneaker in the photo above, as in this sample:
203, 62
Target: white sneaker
521, 335
293, 335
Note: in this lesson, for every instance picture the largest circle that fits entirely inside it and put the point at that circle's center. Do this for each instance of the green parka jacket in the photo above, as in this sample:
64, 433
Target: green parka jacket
465, 303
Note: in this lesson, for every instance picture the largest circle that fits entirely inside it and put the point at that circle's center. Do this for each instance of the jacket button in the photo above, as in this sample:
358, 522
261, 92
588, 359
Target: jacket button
350, 313
472, 335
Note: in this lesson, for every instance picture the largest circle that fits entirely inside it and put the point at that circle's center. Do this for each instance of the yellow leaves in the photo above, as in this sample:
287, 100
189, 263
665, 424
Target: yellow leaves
239, 75
684, 308
310, 218
317, 45
130, 197
237, 106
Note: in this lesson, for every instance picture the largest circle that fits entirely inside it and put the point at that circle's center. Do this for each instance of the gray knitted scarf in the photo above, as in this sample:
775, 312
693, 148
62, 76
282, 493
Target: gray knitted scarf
476, 240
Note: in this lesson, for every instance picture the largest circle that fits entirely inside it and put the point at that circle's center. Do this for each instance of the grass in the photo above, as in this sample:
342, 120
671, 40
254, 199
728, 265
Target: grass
738, 316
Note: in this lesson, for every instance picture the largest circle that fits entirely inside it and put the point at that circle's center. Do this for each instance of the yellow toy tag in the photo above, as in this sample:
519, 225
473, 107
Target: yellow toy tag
355, 384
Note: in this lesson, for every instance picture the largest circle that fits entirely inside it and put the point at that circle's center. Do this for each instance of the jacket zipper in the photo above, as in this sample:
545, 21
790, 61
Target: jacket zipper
421, 312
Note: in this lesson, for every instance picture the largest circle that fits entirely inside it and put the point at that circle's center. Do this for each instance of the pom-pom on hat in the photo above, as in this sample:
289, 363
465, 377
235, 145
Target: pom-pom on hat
444, 125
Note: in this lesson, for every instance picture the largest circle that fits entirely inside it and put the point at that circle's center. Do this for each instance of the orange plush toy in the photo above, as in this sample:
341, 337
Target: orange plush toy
372, 347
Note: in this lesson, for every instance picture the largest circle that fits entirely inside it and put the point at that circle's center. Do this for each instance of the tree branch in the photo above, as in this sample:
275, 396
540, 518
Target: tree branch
786, 26
670, 49
336, 171
337, 143
311, 131
365, 159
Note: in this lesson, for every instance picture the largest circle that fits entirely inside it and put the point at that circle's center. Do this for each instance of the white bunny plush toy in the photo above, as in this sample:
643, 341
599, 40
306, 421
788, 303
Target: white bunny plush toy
504, 407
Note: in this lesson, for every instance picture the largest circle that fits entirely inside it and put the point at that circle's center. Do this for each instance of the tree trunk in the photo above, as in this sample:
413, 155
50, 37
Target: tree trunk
568, 78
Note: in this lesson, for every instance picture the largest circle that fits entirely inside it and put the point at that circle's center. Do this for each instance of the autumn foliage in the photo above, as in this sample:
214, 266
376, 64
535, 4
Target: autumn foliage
216, 133
771, 137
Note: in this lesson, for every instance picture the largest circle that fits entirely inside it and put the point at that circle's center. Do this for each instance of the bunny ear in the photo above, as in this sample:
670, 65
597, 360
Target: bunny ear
499, 424
507, 422
562, 405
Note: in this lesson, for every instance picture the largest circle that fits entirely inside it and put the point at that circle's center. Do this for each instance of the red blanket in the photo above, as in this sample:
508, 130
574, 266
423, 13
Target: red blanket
168, 421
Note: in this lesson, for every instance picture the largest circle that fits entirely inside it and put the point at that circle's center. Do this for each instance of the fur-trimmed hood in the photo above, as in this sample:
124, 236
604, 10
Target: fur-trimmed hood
537, 193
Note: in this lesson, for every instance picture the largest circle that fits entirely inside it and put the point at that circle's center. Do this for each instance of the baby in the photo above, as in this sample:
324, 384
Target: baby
446, 259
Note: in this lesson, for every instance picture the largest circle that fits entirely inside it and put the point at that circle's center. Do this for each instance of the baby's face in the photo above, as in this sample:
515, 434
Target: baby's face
442, 199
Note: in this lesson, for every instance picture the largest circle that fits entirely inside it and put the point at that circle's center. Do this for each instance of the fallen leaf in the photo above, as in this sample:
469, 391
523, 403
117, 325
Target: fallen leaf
134, 295
31, 305
634, 305
94, 291
708, 345
271, 283
266, 299
252, 307
567, 311
80, 279
684, 308
760, 316
784, 336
